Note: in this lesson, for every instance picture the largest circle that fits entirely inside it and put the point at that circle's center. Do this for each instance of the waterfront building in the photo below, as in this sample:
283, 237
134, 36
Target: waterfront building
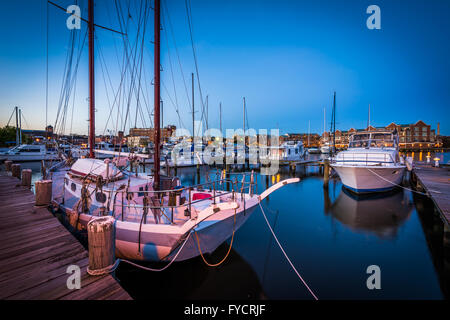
166, 132
417, 136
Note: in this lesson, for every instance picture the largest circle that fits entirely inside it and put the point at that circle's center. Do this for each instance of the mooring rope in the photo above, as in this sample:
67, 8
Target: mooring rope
284, 252
229, 248
395, 184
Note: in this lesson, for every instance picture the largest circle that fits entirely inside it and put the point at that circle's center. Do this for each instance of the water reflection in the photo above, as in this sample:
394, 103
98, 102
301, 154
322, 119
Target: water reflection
380, 214
192, 279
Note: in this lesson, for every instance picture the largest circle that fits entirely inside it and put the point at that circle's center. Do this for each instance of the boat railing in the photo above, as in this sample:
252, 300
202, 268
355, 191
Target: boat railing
366, 158
155, 198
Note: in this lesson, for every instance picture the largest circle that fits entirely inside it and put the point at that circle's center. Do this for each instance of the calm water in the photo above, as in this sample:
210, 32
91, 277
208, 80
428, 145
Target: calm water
330, 236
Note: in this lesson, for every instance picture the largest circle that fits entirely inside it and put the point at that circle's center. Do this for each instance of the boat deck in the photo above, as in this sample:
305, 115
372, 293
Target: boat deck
36, 250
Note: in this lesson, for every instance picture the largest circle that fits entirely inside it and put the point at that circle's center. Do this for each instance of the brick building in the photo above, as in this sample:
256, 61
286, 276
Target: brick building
417, 136
166, 132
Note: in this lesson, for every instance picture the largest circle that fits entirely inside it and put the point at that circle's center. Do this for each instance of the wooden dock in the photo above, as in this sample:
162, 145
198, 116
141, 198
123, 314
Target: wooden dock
36, 250
436, 182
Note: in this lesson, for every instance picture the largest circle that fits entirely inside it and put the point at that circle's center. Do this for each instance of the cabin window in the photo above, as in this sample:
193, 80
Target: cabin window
73, 187
100, 197
296, 151
141, 194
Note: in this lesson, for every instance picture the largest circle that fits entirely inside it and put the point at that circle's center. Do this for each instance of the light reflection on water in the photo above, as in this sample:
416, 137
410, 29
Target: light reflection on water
330, 236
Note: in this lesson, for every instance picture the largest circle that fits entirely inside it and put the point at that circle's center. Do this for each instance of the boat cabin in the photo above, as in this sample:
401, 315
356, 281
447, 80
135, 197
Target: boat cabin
373, 140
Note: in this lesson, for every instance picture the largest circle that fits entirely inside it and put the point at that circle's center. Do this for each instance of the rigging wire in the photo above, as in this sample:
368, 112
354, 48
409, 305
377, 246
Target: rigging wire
178, 56
189, 17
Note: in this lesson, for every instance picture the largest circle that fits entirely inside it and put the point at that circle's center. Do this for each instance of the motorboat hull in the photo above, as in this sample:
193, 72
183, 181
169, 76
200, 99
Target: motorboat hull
366, 179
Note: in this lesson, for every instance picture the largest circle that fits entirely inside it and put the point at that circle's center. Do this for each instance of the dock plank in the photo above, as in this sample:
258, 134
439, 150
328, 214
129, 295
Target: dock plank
36, 249
436, 182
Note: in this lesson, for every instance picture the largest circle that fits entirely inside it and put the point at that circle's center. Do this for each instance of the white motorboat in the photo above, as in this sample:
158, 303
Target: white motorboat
29, 152
287, 151
105, 146
371, 163
325, 148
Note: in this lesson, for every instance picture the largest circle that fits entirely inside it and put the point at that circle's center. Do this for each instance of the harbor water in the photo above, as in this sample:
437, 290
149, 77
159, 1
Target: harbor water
330, 235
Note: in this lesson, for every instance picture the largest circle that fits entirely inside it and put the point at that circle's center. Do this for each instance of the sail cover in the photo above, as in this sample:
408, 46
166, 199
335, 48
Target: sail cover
94, 167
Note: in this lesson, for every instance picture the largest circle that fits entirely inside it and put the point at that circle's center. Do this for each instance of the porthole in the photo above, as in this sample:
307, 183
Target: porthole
100, 197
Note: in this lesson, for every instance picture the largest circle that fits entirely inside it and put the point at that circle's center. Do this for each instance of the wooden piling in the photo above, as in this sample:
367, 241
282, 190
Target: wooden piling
8, 165
101, 243
26, 178
15, 171
43, 193
198, 173
326, 172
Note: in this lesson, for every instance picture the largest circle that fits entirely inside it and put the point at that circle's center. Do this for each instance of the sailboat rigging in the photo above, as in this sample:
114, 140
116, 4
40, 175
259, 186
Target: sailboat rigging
155, 215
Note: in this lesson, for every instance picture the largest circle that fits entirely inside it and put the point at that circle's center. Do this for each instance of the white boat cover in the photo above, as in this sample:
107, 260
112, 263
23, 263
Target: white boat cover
94, 167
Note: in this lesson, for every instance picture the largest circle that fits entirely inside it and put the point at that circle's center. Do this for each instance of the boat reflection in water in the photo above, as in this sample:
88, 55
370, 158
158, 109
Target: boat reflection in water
379, 214
192, 279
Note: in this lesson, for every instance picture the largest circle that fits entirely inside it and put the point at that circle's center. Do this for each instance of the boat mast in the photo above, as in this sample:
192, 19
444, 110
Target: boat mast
17, 125
91, 80
309, 130
244, 121
334, 123
368, 119
157, 94
220, 116
20, 126
193, 110
207, 112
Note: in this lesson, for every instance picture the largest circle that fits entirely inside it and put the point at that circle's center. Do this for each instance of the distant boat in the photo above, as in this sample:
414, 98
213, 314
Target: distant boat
371, 163
314, 151
287, 151
325, 148
29, 152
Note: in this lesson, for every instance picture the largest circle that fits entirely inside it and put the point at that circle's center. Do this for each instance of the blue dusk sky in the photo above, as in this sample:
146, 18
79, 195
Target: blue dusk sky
285, 57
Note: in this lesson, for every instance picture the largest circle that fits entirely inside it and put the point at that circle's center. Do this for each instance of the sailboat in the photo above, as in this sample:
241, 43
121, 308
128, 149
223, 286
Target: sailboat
157, 219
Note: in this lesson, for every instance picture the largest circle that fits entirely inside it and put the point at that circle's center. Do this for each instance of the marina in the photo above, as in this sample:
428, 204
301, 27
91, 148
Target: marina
396, 222
180, 151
